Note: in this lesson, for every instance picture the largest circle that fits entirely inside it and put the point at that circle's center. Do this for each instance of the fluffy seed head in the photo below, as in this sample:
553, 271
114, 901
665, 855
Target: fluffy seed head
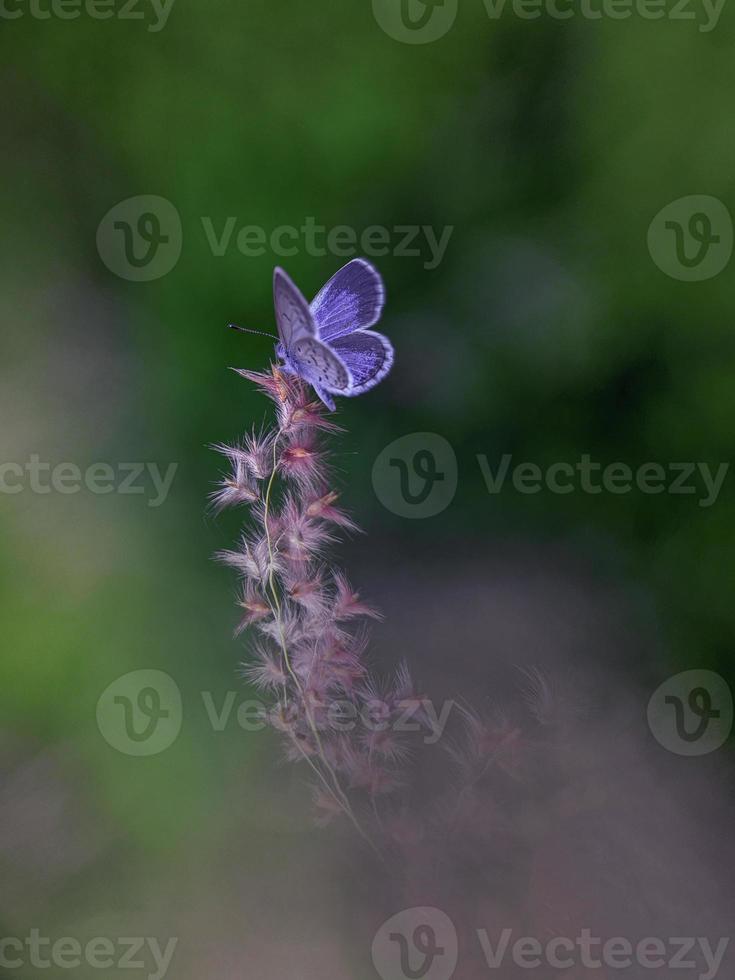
322, 507
255, 606
347, 604
265, 672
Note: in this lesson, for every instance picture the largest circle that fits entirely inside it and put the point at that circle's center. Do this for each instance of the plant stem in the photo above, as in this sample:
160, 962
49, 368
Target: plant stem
336, 790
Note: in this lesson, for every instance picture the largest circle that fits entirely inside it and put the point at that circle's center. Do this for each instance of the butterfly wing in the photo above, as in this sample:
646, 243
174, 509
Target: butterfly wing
367, 355
293, 316
352, 300
321, 367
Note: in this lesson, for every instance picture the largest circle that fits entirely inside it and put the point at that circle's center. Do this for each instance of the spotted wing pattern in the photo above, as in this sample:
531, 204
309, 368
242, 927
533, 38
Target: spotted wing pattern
320, 366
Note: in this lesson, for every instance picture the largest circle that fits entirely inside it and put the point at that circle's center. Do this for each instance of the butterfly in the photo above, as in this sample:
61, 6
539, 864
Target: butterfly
328, 343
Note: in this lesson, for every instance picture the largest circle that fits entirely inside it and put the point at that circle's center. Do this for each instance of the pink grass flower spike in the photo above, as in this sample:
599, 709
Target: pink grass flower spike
308, 623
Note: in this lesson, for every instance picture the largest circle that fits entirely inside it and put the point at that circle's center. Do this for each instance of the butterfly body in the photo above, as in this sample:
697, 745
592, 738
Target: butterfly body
328, 343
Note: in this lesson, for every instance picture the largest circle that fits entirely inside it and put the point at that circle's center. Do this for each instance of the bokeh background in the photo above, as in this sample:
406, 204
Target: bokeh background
546, 331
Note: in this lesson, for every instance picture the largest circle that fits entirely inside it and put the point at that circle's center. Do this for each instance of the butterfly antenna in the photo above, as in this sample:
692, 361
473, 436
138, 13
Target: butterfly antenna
260, 333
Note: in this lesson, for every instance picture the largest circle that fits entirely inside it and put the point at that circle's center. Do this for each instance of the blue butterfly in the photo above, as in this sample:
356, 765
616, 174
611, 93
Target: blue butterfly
328, 343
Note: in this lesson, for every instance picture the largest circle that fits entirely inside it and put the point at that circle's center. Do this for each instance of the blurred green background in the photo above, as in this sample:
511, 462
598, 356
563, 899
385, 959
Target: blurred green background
546, 331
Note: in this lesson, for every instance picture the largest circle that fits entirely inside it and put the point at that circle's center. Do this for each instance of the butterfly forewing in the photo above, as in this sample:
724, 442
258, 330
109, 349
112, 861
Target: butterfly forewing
351, 300
293, 315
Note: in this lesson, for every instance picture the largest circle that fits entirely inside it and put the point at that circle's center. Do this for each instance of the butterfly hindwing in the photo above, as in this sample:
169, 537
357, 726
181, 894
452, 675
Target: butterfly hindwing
316, 363
352, 300
325, 397
368, 356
